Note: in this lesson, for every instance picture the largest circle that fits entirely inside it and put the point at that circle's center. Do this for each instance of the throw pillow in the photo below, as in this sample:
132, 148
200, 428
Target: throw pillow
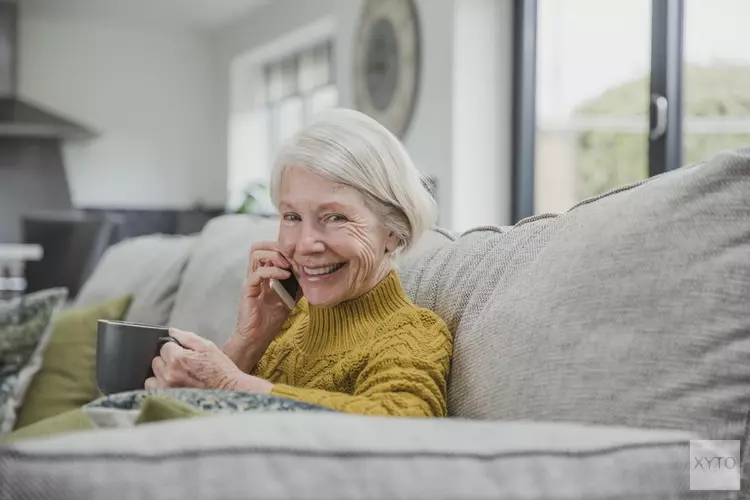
67, 379
25, 327
631, 309
207, 400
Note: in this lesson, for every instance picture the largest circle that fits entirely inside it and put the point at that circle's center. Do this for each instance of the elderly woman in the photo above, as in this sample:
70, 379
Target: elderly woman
349, 200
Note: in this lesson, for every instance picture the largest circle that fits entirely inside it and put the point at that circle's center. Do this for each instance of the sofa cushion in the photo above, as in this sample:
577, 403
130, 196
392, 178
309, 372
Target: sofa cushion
208, 296
632, 308
339, 456
147, 267
67, 378
425, 248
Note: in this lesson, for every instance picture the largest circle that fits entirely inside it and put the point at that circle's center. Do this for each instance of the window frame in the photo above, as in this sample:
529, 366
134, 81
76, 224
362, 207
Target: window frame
667, 33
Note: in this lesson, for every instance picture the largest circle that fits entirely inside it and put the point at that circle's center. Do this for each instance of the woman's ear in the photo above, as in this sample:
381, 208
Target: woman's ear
391, 243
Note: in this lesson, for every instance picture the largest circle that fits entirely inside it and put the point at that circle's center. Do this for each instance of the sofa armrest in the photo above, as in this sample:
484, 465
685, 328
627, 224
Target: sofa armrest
315, 455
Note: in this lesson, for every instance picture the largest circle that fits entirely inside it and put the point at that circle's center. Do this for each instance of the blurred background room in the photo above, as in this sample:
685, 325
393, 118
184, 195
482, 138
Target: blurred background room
124, 118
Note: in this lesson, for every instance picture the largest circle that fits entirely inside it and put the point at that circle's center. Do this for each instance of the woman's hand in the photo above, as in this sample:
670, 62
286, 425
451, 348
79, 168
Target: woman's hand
262, 312
200, 364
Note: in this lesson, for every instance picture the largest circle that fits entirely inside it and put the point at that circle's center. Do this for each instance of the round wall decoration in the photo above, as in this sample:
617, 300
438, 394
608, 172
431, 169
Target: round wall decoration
387, 63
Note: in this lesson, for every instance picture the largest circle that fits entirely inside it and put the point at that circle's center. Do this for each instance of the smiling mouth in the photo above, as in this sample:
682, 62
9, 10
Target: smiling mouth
322, 271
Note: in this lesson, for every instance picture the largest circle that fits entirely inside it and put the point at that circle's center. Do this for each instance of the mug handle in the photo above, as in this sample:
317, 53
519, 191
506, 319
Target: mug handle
164, 340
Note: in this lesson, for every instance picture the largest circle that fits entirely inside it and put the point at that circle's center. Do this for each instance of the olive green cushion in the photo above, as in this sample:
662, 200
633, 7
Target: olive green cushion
67, 379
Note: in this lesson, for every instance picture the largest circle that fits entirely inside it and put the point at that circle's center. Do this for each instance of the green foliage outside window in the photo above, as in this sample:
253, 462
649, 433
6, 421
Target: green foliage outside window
609, 159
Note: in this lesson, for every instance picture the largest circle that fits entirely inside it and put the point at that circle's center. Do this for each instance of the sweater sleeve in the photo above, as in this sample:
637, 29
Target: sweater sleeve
405, 374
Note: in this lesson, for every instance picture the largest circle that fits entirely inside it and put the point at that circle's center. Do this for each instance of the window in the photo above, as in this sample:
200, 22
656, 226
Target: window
612, 92
298, 87
716, 76
287, 92
592, 98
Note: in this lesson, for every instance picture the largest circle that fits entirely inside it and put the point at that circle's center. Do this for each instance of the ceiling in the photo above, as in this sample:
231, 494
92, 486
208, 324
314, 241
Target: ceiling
191, 14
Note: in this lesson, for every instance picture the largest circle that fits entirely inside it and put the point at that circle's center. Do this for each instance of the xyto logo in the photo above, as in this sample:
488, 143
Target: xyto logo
714, 463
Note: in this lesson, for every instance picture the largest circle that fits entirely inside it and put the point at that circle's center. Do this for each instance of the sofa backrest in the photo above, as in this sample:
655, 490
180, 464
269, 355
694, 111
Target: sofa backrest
147, 267
208, 297
633, 308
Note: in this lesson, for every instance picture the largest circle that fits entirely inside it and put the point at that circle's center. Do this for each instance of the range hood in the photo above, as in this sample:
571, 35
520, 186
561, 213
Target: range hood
19, 117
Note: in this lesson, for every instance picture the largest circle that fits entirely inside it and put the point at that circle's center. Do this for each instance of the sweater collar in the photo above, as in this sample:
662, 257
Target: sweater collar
345, 325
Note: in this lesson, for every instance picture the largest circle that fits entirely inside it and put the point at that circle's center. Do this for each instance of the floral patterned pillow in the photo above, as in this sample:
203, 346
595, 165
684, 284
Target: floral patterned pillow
25, 329
207, 400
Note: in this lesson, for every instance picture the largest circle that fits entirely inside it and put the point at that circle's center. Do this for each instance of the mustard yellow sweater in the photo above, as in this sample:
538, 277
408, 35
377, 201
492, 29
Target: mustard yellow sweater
378, 354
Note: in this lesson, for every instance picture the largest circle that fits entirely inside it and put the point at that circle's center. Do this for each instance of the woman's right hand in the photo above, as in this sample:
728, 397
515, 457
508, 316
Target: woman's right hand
262, 312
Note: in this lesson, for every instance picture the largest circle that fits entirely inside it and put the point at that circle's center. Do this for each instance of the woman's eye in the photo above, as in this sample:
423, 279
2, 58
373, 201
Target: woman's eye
336, 218
291, 217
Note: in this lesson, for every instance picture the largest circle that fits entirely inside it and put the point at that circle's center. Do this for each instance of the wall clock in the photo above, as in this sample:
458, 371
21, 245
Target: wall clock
387, 63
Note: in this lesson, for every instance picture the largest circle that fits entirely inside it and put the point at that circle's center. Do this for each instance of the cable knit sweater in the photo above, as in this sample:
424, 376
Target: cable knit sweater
378, 354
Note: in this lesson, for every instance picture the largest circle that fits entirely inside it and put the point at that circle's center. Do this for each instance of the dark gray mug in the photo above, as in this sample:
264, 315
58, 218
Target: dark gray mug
124, 353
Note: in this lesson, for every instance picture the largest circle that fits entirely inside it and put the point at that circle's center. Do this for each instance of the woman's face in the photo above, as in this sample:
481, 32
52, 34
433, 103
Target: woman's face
336, 244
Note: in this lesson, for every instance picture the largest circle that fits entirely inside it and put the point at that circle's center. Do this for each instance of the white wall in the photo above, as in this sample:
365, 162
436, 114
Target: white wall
482, 113
428, 139
150, 92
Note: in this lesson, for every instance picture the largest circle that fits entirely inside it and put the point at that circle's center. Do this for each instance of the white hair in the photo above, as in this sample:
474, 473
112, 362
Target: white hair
351, 148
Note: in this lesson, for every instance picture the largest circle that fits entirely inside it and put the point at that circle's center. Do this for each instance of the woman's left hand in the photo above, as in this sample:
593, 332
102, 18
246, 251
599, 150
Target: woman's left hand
200, 364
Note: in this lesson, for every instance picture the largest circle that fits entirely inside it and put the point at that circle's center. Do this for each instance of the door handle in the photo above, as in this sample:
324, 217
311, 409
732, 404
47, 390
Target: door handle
659, 105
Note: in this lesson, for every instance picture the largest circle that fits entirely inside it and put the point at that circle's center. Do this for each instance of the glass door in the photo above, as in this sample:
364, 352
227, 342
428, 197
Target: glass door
716, 78
611, 92
592, 98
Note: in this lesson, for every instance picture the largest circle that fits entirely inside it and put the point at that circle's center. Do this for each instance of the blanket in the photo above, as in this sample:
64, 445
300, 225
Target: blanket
128, 409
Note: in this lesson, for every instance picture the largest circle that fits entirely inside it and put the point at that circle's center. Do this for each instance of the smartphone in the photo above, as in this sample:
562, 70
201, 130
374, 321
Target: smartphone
286, 289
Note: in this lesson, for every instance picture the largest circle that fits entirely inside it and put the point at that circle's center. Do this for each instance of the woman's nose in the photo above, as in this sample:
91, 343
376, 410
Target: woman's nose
309, 244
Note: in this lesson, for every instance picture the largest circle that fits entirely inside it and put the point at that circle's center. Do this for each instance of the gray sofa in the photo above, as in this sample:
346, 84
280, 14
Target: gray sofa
591, 347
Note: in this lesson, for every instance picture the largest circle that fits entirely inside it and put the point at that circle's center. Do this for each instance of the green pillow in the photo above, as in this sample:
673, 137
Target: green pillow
67, 379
